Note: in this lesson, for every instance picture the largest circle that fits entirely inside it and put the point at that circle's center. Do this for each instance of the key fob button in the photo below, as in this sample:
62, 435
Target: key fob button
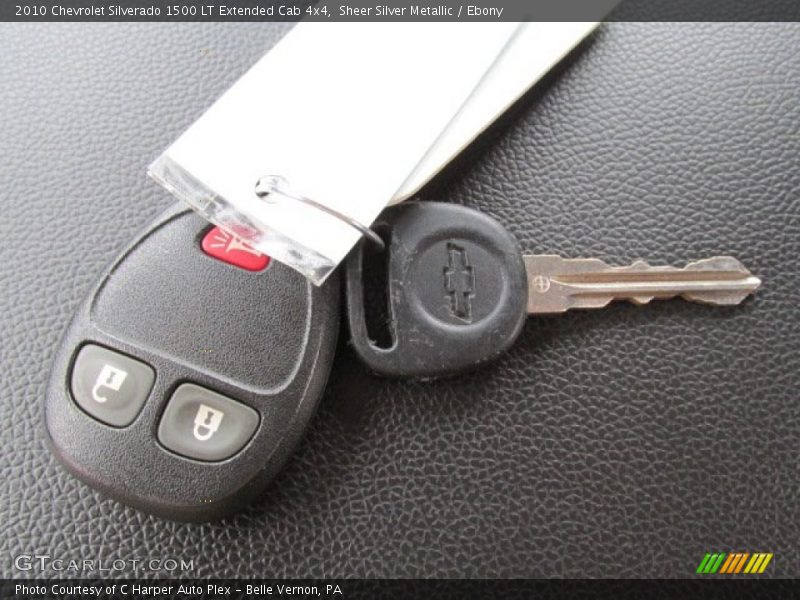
205, 425
110, 386
228, 248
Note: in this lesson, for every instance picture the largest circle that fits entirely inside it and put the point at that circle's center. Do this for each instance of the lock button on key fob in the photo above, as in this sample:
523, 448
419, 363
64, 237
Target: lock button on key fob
205, 425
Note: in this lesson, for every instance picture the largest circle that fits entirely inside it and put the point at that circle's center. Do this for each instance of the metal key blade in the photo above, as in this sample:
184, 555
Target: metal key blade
557, 284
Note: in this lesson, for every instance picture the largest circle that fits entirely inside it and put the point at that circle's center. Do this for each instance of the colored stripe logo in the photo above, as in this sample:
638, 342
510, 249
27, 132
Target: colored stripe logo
734, 563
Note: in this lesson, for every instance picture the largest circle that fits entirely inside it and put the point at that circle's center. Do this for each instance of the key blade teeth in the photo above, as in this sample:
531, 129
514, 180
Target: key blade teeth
718, 264
557, 284
717, 299
745, 282
726, 297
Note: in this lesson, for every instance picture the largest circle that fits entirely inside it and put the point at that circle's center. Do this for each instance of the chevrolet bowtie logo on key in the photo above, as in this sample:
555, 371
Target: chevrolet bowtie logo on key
459, 282
734, 563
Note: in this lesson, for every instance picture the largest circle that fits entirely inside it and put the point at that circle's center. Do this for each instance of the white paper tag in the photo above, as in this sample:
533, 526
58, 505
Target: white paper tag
342, 112
533, 50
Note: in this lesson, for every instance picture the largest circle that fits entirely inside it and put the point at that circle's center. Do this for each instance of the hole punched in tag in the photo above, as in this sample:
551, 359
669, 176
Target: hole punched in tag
270, 186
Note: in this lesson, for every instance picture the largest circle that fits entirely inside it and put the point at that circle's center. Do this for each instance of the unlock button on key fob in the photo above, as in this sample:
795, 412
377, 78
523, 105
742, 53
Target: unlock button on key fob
205, 425
110, 386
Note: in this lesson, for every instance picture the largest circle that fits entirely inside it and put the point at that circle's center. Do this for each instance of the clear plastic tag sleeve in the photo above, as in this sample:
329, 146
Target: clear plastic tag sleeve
256, 232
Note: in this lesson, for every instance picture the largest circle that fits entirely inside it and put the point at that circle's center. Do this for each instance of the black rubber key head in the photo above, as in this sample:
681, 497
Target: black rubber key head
457, 291
184, 381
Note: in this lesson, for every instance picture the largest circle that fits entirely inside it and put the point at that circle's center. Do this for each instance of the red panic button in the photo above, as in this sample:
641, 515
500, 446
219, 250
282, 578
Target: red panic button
228, 248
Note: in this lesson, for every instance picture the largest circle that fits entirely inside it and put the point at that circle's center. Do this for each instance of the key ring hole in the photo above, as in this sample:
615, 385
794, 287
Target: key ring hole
375, 278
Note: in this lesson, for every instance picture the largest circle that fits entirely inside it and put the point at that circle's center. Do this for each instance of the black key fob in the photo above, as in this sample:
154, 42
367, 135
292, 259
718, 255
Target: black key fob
190, 372
456, 291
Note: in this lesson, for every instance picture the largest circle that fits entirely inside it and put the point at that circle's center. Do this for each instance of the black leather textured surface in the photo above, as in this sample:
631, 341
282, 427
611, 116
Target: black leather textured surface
623, 442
